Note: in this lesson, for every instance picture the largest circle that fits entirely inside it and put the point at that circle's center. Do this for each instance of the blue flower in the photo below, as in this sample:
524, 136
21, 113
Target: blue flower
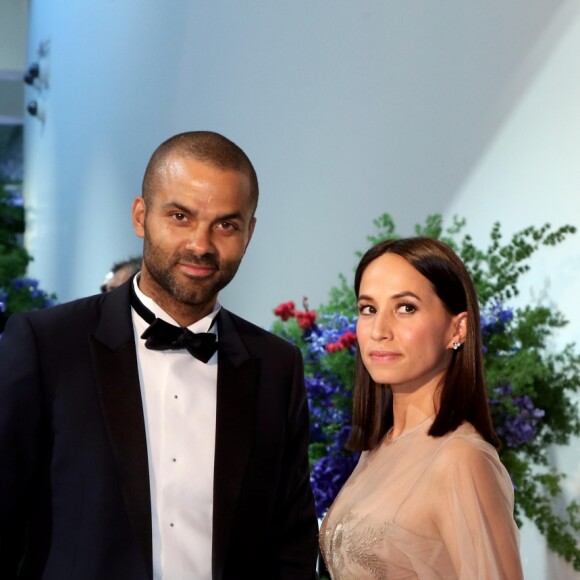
29, 283
30, 287
519, 425
318, 388
328, 475
495, 318
3, 300
329, 329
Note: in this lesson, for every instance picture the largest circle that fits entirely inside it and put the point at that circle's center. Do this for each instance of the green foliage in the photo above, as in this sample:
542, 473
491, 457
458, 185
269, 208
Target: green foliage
13, 257
17, 293
341, 299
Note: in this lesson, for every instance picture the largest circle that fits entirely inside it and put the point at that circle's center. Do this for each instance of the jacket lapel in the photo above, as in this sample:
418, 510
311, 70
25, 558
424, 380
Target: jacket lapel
236, 394
115, 365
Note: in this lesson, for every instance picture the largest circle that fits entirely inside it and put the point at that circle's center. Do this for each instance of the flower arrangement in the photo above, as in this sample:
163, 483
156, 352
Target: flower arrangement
529, 386
17, 292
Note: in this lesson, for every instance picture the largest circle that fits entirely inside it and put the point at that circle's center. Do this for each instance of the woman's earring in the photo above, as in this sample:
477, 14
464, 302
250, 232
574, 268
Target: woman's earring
456, 345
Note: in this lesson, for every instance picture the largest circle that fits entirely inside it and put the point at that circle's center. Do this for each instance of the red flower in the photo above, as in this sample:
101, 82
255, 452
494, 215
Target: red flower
347, 340
333, 347
305, 319
285, 310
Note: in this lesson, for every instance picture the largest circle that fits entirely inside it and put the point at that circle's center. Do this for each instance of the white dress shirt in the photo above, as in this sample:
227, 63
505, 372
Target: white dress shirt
179, 406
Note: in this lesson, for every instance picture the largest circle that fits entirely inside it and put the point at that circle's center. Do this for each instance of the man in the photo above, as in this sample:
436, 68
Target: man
120, 459
121, 272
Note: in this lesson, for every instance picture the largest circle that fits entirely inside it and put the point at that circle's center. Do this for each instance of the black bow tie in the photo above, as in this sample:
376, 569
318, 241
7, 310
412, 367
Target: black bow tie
164, 336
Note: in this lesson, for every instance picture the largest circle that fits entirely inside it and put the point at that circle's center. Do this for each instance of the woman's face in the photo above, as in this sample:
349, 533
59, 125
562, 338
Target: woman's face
404, 332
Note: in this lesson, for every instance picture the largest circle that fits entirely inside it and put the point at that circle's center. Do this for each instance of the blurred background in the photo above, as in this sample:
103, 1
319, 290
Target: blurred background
347, 109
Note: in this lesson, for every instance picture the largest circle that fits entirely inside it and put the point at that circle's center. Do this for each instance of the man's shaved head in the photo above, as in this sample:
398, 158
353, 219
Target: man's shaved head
205, 146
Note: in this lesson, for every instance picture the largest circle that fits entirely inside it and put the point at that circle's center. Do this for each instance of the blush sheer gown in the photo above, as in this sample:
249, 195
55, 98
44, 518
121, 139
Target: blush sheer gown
424, 507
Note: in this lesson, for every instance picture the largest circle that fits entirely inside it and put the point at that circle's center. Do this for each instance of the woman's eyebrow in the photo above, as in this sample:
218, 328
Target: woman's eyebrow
398, 295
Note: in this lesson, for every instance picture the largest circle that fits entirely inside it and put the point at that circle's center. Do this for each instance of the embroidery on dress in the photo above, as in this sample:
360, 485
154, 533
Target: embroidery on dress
357, 543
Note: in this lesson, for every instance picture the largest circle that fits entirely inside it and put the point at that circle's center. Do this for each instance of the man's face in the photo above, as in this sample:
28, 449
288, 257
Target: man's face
196, 228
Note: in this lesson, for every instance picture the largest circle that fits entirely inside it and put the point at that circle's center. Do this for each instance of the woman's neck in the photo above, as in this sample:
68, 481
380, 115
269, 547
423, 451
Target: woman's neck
411, 409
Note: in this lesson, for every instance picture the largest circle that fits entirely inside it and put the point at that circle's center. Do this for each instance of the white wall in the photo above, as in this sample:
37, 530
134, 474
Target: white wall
348, 109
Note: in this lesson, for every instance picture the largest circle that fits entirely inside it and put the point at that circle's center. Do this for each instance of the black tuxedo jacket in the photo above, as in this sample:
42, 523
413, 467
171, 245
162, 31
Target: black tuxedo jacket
74, 483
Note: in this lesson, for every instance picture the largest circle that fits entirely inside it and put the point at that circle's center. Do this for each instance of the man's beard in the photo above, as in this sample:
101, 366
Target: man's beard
195, 291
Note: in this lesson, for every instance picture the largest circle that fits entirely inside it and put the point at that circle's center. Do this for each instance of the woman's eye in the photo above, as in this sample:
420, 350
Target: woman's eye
406, 308
366, 309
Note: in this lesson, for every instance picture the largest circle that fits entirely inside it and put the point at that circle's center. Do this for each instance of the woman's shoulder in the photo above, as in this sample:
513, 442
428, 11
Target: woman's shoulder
465, 448
463, 456
468, 467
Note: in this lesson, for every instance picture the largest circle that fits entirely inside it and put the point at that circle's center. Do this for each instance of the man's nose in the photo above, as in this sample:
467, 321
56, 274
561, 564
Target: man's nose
200, 240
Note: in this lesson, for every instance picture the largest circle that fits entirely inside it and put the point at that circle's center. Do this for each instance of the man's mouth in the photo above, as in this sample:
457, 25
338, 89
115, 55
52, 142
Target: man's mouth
197, 270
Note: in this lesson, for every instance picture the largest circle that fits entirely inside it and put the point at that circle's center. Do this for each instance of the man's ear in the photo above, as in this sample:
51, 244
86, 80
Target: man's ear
459, 328
138, 215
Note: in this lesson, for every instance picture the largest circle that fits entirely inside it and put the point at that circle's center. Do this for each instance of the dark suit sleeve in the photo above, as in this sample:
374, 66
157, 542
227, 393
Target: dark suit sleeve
298, 526
21, 439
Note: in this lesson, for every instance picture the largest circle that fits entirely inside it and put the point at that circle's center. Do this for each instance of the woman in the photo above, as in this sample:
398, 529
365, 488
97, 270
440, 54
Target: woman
429, 497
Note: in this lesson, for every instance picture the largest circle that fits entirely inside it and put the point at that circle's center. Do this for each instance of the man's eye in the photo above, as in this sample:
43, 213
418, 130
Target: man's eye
179, 216
228, 226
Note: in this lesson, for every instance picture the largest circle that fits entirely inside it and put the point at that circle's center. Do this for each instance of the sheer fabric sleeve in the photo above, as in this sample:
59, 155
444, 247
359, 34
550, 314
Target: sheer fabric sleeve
475, 517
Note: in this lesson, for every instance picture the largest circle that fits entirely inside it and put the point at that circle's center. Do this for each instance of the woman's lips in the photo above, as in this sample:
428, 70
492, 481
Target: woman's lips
383, 355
